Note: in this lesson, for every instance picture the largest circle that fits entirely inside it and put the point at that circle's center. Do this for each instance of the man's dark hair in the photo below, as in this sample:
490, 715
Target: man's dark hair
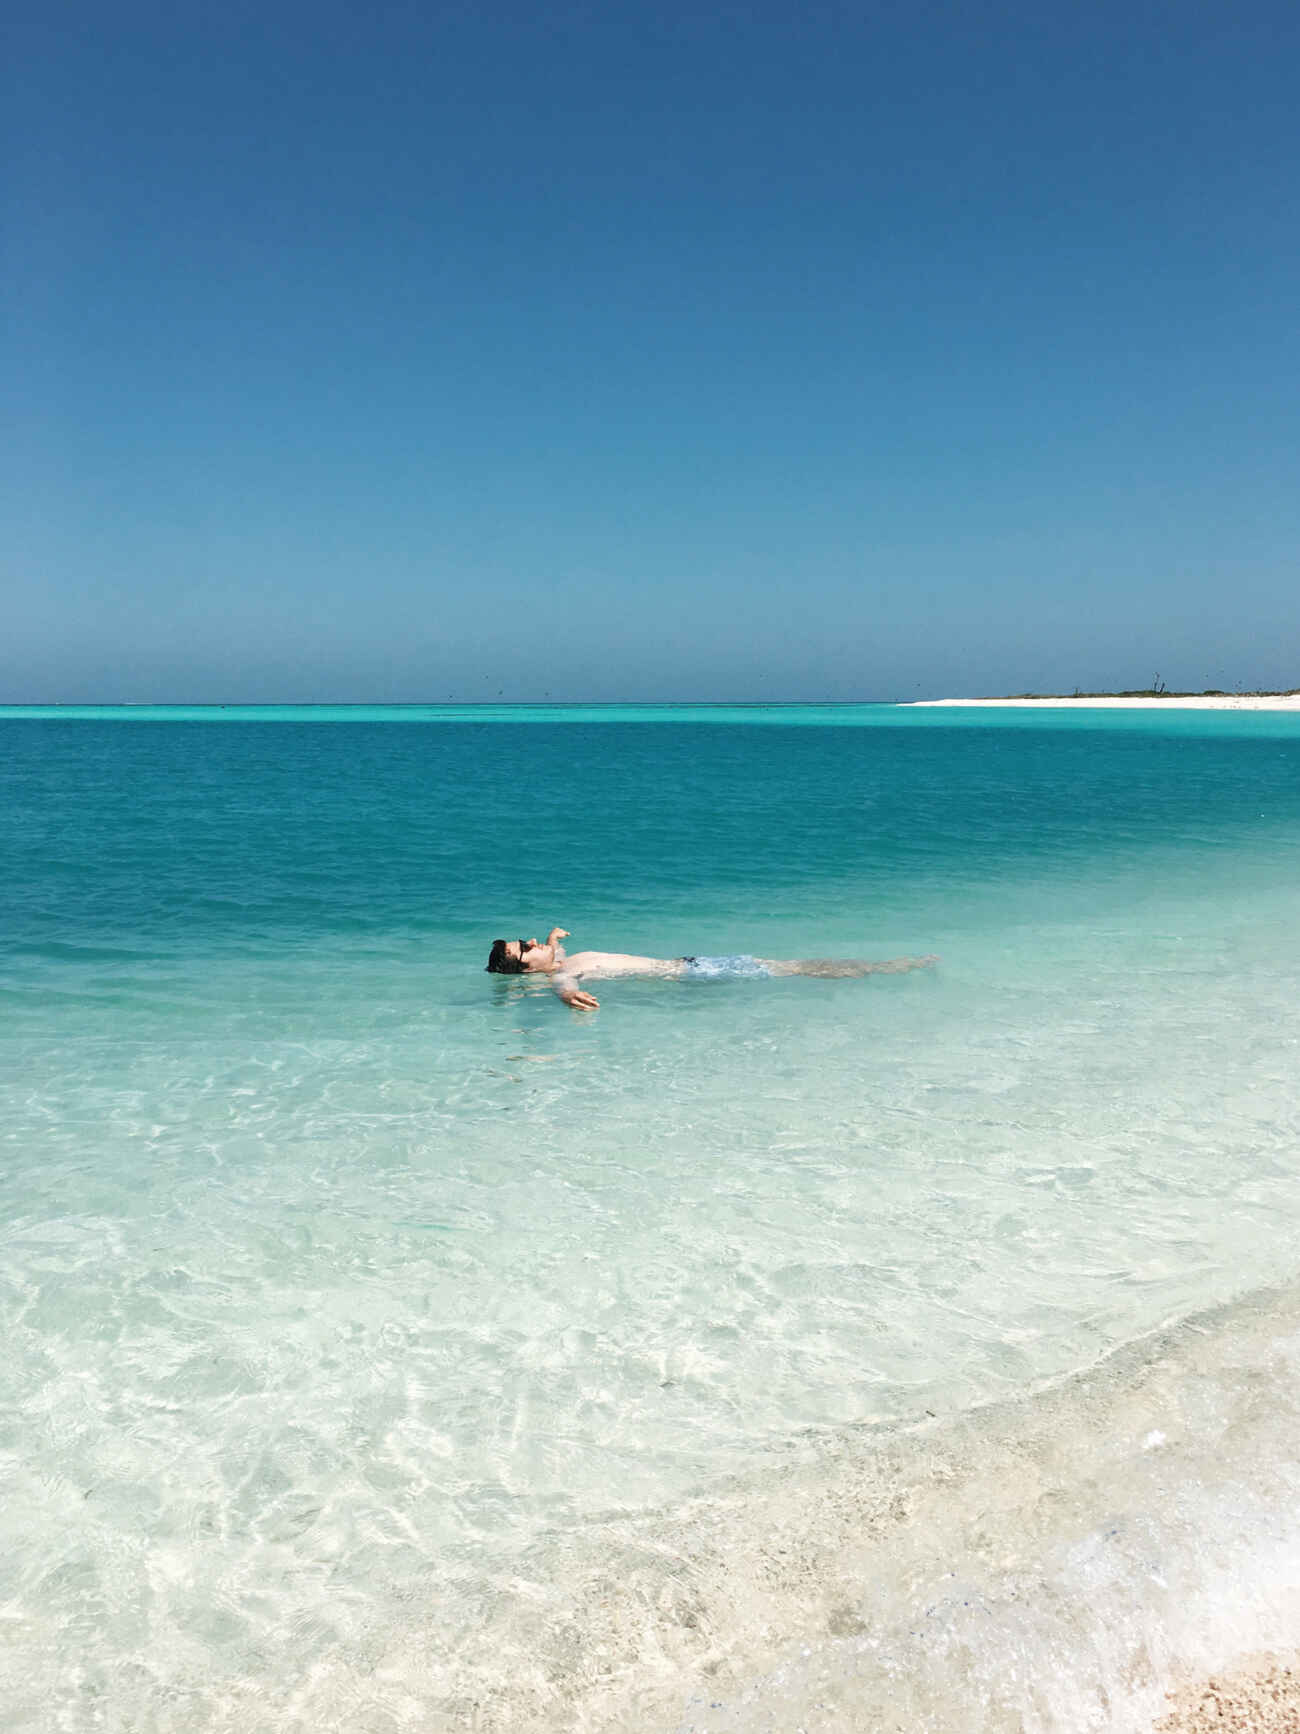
499, 964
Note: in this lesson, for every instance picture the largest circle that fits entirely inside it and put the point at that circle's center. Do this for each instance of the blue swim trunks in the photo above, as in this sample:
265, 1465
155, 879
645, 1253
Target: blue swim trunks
718, 968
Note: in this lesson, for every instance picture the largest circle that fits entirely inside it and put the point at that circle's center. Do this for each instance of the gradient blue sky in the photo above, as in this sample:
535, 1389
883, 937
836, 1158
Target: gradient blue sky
396, 352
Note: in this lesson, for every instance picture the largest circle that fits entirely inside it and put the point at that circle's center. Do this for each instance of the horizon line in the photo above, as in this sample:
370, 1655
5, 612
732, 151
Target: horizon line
439, 704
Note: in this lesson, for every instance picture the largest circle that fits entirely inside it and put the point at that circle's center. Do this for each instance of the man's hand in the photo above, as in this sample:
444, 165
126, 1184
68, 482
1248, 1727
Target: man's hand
566, 986
557, 933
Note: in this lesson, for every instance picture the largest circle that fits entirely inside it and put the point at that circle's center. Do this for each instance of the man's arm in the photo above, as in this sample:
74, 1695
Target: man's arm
571, 991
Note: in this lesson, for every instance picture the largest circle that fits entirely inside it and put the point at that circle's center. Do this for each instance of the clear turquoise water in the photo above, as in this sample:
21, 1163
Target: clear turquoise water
349, 1295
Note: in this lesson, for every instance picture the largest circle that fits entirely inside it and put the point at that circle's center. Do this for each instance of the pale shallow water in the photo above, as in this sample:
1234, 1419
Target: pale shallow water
386, 1346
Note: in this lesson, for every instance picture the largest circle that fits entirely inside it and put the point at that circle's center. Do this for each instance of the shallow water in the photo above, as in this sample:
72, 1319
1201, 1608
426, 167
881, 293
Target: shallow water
350, 1296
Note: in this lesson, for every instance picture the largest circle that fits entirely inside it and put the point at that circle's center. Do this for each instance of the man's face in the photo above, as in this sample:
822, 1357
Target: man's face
530, 954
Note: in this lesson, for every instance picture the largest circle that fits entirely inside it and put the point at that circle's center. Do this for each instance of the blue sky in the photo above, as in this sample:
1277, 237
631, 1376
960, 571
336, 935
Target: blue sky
400, 352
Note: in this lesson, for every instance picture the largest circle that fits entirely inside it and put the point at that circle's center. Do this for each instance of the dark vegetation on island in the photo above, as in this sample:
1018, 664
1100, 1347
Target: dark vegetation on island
1158, 689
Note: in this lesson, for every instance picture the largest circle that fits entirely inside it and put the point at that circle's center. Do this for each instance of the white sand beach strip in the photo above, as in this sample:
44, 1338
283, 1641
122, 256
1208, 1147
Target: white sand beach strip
1173, 701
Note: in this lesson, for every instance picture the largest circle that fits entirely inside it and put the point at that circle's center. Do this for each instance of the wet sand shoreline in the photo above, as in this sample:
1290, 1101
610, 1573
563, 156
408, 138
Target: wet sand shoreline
1261, 1695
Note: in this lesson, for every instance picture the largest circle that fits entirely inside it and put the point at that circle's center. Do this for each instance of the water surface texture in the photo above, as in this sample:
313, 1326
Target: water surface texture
386, 1346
